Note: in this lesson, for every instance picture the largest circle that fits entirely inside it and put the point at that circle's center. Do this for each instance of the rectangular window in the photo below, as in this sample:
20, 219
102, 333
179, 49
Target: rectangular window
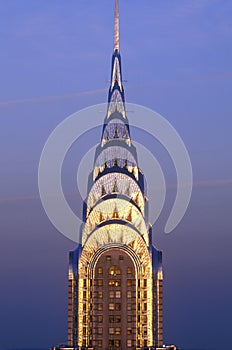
117, 343
129, 270
145, 307
117, 330
117, 306
145, 294
111, 343
108, 257
99, 330
100, 270
117, 294
100, 295
111, 330
129, 331
111, 294
117, 319
84, 294
129, 318
99, 318
129, 283
111, 319
129, 343
129, 294
99, 343
121, 257
117, 270
145, 283
129, 307
111, 306
85, 283
100, 307
118, 283
100, 282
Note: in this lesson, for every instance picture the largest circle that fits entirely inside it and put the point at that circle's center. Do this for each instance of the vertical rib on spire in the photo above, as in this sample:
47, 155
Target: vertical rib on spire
116, 27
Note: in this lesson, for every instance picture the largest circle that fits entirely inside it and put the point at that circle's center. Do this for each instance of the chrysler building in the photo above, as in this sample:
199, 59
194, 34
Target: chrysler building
115, 275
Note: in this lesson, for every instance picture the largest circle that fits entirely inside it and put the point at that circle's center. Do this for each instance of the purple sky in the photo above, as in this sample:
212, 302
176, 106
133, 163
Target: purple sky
55, 60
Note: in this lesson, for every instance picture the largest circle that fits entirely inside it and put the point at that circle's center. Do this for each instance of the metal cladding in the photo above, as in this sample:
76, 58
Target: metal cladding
115, 275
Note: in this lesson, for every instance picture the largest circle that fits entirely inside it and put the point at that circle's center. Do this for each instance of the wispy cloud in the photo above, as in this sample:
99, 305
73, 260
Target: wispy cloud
215, 183
52, 97
203, 78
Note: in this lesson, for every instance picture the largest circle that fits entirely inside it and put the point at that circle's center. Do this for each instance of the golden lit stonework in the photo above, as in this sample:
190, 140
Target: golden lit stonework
115, 274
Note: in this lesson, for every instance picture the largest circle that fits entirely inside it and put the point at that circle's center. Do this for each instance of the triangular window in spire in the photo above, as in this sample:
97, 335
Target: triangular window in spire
116, 104
116, 132
101, 218
115, 162
125, 166
129, 216
127, 191
116, 76
115, 213
103, 191
137, 199
115, 187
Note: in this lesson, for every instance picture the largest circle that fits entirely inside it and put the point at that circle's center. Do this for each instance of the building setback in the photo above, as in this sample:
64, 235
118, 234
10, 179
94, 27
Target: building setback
115, 297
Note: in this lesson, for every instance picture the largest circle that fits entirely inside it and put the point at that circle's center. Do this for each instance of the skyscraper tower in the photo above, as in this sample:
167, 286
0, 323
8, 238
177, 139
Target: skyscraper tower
115, 274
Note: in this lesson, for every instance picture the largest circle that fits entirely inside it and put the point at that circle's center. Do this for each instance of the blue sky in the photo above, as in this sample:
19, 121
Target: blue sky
55, 59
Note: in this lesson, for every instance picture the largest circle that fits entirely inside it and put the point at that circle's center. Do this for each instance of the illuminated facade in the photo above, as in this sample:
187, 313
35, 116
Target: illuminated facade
115, 275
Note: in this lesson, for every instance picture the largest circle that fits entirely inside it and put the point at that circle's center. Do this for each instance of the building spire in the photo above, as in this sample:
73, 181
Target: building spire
116, 27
